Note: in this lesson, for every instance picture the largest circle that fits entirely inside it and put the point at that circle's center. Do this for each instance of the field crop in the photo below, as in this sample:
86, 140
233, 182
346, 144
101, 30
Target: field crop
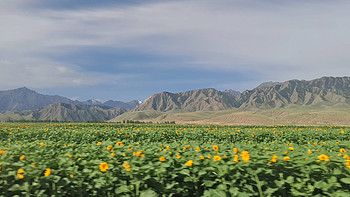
76, 159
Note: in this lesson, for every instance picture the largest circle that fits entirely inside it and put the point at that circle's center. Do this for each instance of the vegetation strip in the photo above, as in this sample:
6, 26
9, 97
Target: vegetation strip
76, 159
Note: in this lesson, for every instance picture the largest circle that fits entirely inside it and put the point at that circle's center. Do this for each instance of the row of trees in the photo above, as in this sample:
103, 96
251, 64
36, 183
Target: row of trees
90, 121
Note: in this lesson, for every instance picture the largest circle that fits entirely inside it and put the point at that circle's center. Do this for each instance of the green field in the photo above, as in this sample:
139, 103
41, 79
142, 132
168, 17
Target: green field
107, 159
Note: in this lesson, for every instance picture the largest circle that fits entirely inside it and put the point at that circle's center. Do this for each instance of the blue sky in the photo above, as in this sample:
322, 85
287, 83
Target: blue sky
132, 49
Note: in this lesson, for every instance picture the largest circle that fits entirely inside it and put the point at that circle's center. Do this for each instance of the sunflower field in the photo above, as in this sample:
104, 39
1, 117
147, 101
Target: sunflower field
110, 159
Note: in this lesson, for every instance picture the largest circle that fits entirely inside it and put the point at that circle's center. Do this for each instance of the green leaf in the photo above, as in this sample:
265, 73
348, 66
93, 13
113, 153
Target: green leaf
270, 191
340, 194
345, 180
15, 187
185, 172
279, 183
122, 189
148, 193
214, 193
209, 183
337, 172
171, 185
222, 187
333, 179
234, 191
321, 185
202, 172
290, 179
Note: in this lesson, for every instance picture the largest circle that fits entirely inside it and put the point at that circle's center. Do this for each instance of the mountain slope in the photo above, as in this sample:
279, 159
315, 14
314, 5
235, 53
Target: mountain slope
78, 113
332, 90
325, 90
126, 105
25, 99
65, 112
196, 100
267, 85
233, 92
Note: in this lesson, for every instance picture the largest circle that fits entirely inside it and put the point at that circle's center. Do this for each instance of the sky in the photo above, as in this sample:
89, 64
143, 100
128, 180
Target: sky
131, 49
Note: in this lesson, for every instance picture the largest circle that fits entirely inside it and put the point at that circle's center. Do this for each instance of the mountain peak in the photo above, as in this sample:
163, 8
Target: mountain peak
267, 84
23, 89
331, 90
233, 92
194, 100
26, 99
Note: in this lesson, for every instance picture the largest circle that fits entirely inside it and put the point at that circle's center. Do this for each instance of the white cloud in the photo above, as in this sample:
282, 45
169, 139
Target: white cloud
46, 74
295, 39
41, 74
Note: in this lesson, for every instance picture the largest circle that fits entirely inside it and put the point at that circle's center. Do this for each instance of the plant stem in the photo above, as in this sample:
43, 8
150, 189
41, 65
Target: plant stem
259, 185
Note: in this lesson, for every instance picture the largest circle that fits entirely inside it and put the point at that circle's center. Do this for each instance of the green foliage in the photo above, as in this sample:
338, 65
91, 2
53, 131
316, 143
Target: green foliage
153, 160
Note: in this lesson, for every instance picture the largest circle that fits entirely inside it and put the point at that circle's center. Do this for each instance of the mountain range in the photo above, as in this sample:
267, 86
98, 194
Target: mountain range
26, 104
265, 96
65, 112
204, 104
195, 100
320, 101
21, 99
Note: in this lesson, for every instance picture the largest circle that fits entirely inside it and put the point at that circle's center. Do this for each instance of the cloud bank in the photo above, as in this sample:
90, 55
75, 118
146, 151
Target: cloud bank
272, 39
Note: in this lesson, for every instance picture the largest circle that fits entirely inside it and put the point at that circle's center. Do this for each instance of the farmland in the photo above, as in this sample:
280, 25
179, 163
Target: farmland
110, 159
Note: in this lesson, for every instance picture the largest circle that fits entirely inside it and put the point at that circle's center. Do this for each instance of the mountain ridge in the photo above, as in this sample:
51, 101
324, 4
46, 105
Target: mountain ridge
324, 92
300, 92
267, 95
65, 112
21, 99
194, 100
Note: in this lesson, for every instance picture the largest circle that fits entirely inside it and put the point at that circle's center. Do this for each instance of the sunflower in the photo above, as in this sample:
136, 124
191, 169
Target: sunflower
47, 172
215, 148
104, 166
323, 157
217, 158
189, 163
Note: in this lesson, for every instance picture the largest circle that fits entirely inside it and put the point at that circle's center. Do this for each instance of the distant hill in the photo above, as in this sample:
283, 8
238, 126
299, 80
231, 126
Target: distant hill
267, 85
110, 103
65, 112
78, 113
233, 92
126, 105
91, 102
25, 99
26, 104
195, 100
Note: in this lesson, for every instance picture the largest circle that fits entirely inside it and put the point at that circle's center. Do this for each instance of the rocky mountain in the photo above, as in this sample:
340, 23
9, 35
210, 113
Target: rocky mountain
267, 85
110, 103
233, 92
325, 90
25, 99
77, 113
91, 102
333, 90
126, 105
65, 112
195, 100
26, 104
